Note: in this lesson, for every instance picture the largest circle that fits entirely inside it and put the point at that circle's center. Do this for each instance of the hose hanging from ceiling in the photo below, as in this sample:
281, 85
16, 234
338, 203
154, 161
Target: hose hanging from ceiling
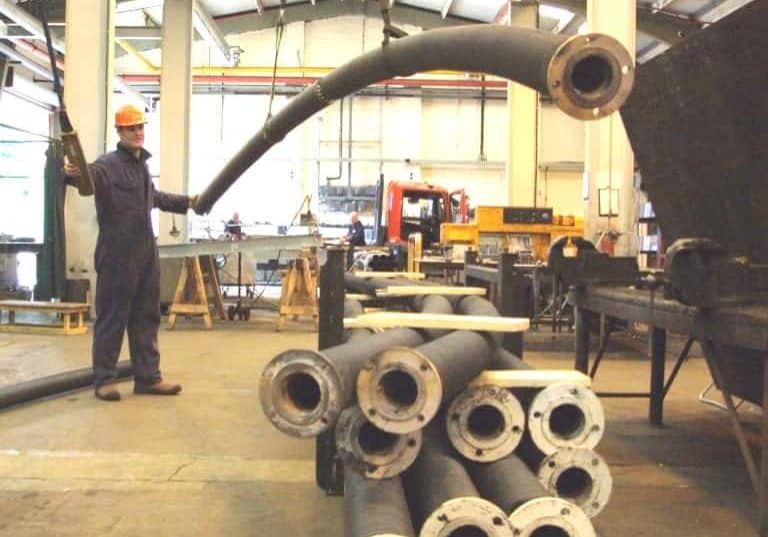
588, 76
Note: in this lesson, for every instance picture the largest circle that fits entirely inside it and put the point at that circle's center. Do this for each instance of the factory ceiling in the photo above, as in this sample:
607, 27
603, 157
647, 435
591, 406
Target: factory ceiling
661, 23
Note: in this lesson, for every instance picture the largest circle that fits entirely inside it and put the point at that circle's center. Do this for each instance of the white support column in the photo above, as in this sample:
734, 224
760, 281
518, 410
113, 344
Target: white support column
175, 96
523, 111
609, 161
88, 90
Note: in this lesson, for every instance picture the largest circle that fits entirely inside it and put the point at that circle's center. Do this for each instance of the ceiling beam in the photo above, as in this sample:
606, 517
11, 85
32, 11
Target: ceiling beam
28, 22
210, 31
136, 5
716, 10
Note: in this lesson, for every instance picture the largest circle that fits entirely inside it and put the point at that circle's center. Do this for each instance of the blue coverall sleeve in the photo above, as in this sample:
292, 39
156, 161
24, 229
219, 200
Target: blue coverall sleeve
173, 203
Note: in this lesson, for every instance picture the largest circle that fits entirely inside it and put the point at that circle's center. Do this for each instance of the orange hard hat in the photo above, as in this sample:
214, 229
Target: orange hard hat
128, 115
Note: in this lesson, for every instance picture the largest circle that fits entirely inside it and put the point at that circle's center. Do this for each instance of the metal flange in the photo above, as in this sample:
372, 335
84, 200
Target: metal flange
375, 453
565, 415
300, 392
399, 390
550, 516
485, 423
467, 514
580, 476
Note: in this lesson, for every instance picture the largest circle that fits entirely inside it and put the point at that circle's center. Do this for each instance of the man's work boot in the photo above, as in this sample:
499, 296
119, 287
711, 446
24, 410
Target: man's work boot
158, 388
107, 392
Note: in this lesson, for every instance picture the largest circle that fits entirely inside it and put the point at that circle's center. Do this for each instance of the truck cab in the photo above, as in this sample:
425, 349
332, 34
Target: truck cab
422, 208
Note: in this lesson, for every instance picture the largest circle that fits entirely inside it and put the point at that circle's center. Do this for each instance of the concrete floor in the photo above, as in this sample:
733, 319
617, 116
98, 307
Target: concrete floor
207, 462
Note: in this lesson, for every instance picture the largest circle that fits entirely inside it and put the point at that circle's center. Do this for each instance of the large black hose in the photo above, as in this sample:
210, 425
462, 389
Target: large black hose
442, 497
437, 304
54, 385
375, 507
588, 76
302, 391
475, 305
507, 482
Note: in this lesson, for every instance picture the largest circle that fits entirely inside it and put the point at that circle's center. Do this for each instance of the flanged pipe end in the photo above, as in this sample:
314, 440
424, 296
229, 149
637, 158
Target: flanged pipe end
580, 476
485, 423
399, 390
301, 393
375, 453
467, 516
590, 76
552, 517
565, 415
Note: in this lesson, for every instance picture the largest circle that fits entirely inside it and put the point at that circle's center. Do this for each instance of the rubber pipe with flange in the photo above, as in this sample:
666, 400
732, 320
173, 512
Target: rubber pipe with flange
401, 389
562, 415
442, 498
511, 485
588, 76
580, 476
485, 422
375, 508
25, 392
371, 451
475, 305
302, 392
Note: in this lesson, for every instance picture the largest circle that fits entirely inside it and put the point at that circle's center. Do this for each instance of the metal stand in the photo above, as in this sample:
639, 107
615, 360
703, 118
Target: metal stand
329, 470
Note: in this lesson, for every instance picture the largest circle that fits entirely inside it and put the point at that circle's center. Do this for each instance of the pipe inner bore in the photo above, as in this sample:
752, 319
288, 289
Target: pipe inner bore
302, 390
485, 421
374, 441
467, 531
574, 484
567, 421
591, 76
549, 531
399, 388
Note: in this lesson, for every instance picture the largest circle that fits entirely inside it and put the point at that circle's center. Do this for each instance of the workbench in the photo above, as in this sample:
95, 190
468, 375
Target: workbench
726, 334
71, 314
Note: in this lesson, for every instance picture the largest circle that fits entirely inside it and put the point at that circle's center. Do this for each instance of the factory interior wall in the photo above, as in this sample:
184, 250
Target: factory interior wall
436, 140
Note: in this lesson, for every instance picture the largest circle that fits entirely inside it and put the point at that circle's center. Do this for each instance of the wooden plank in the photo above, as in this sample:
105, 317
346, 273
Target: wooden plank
187, 309
20, 328
55, 307
531, 378
359, 297
416, 290
406, 275
391, 319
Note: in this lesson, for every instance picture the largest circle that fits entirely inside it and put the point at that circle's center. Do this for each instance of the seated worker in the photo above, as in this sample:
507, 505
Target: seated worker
234, 227
356, 232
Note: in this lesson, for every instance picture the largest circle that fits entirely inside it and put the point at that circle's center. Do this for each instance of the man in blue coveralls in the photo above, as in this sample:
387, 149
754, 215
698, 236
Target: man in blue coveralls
127, 266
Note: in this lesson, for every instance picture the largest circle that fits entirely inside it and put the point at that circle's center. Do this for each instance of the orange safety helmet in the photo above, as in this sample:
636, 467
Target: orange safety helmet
128, 115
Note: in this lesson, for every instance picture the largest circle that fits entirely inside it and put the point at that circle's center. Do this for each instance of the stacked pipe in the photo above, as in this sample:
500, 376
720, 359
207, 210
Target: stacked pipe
564, 422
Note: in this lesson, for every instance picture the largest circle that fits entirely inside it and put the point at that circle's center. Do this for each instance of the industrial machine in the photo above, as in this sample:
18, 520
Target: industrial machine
528, 230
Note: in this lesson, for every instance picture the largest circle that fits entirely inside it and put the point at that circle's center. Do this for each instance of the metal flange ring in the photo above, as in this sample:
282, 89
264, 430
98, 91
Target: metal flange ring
399, 390
554, 514
300, 393
565, 415
580, 476
375, 453
485, 423
465, 513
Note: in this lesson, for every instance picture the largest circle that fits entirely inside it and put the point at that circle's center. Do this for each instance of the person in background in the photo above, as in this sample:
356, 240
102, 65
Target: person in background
126, 258
356, 232
234, 227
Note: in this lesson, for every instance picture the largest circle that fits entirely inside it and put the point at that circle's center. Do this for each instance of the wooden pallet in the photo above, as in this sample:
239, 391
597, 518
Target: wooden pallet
197, 289
70, 313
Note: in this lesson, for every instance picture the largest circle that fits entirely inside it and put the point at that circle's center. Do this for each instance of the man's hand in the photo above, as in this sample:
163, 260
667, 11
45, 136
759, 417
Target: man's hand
193, 203
70, 169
